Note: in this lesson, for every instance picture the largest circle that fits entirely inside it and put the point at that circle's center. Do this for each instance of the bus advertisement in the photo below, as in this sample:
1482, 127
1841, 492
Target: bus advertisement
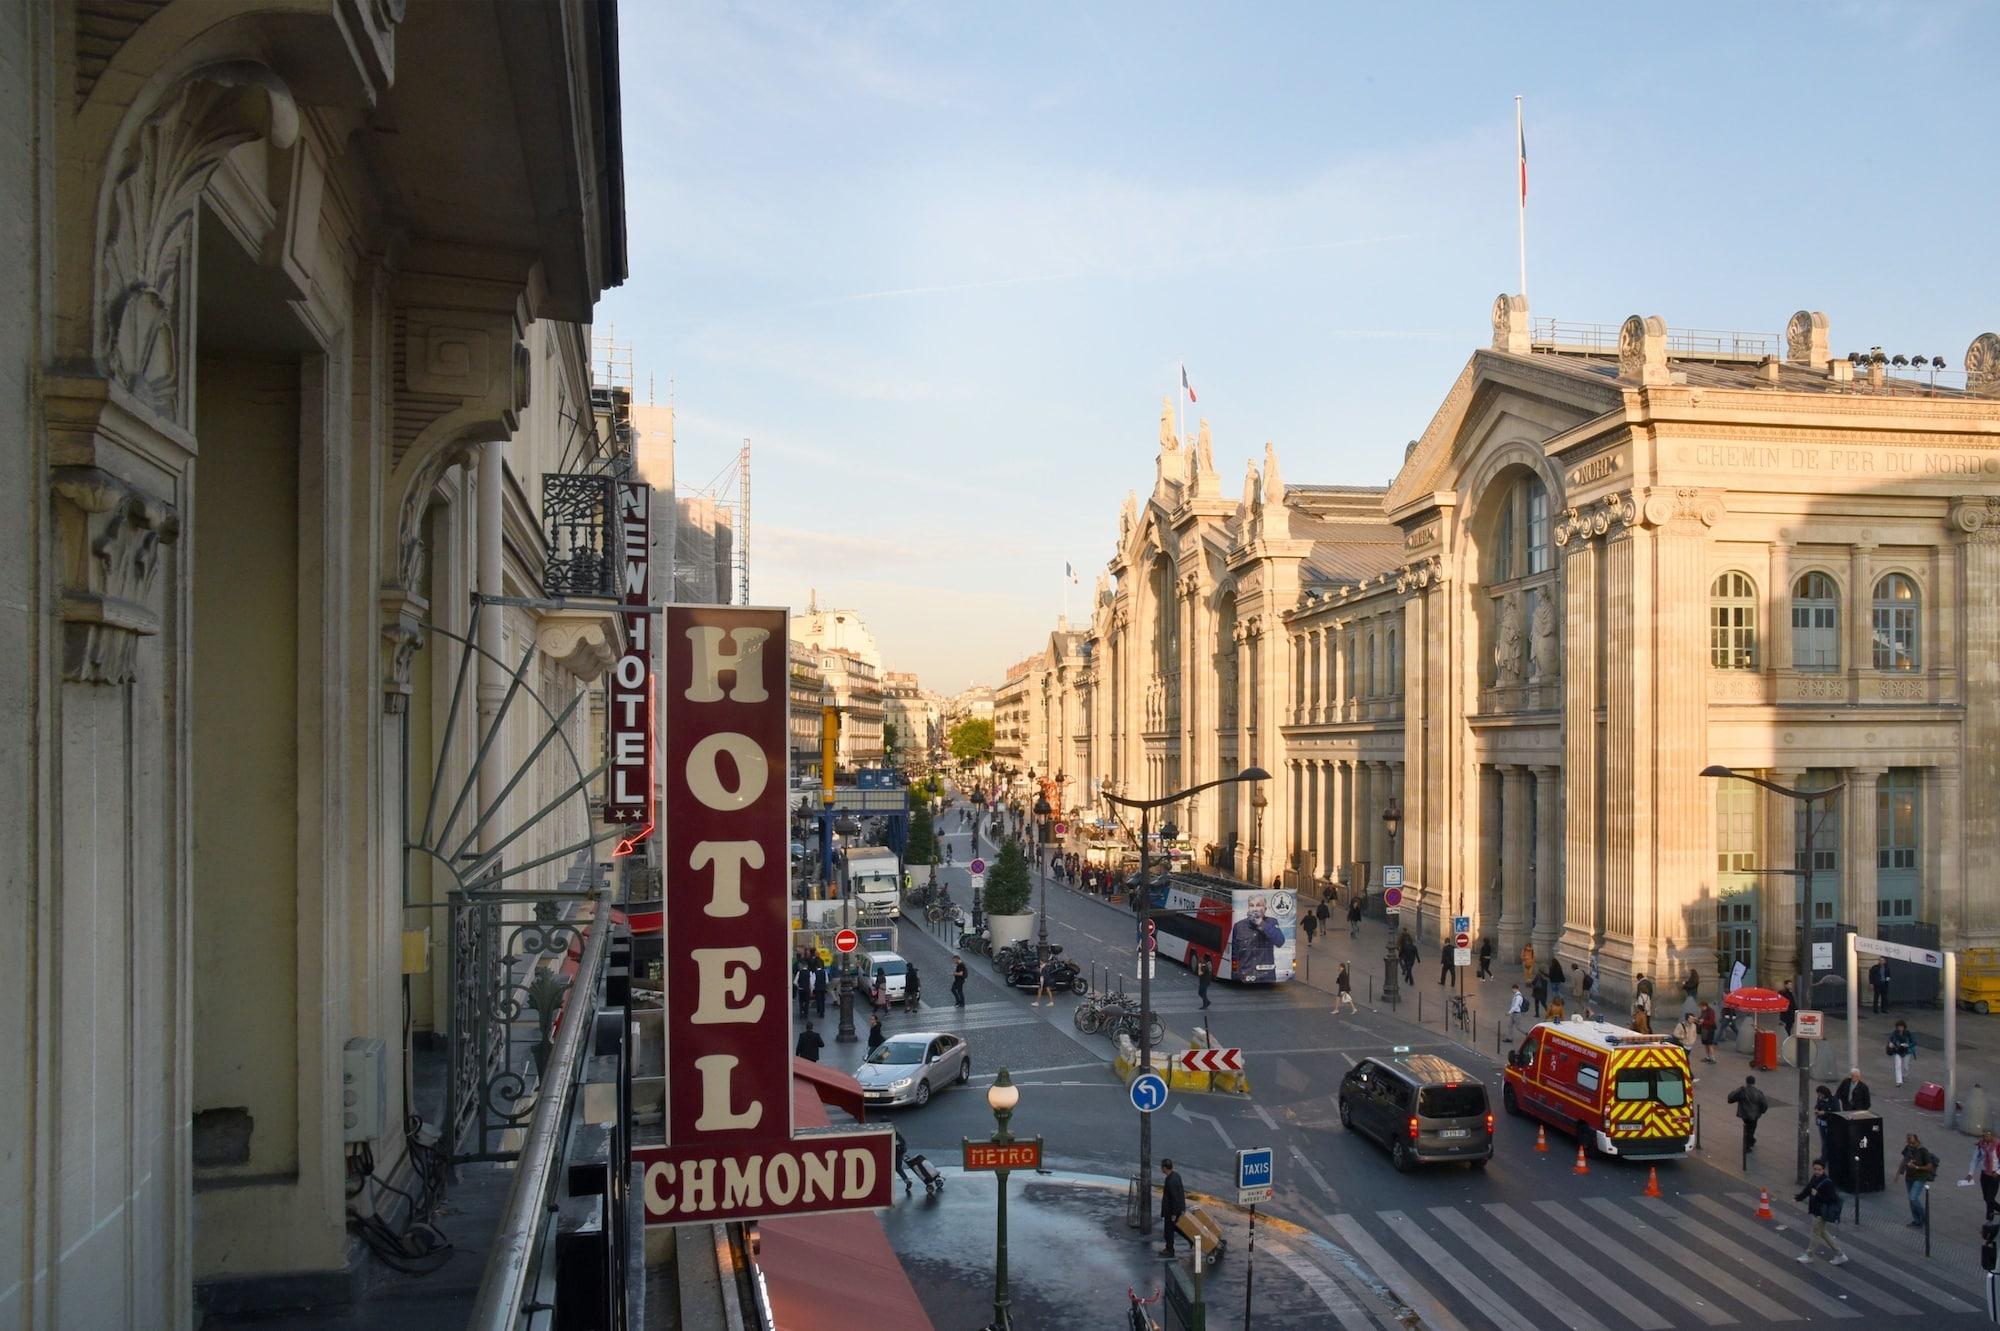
1249, 934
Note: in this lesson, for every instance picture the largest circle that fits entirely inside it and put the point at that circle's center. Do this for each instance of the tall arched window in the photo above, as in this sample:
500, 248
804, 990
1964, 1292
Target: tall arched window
1815, 623
1732, 622
1895, 623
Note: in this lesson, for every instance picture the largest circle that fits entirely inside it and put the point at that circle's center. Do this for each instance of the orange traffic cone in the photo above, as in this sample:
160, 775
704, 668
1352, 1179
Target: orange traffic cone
1653, 1181
1582, 1165
1541, 1138
1764, 1204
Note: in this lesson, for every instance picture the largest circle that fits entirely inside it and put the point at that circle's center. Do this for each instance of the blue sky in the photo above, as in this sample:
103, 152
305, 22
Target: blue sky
939, 261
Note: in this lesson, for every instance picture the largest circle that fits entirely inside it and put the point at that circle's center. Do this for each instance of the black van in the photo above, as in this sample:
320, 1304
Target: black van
1425, 1109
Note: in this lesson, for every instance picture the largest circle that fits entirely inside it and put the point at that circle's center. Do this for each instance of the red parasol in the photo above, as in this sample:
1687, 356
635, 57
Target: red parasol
1750, 999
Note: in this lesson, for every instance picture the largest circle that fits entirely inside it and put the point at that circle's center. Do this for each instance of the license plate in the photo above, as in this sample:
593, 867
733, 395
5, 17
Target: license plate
1456, 1132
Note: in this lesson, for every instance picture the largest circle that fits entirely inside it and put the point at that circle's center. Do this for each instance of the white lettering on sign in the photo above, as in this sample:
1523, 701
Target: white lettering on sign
725, 900
716, 1115
629, 709
725, 978
705, 778
810, 1178
743, 660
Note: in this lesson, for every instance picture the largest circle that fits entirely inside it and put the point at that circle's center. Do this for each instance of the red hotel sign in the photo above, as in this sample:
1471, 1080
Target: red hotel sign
631, 703
731, 1153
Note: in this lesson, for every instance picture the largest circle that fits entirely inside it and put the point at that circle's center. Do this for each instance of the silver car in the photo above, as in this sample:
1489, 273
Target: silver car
906, 1068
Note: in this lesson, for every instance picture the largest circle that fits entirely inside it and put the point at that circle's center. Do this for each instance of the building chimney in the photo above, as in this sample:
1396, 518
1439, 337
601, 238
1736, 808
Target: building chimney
1767, 370
1840, 370
1878, 373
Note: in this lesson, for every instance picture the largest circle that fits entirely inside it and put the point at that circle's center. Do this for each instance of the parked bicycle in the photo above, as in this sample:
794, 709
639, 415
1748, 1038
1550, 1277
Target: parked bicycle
1138, 1319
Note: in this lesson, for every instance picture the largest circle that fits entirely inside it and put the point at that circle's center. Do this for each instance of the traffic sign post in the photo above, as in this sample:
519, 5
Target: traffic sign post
1392, 899
1254, 1176
1392, 875
978, 867
1461, 940
1149, 1094
1807, 1025
847, 940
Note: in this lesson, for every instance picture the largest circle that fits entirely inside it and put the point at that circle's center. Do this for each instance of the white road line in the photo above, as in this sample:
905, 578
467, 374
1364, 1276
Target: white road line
1863, 1288
1512, 1268
1351, 1316
1260, 1112
1700, 1268
1671, 1286
1400, 1282
1633, 1310
1185, 1115
1772, 1275
1455, 1272
1036, 1072
1317, 1177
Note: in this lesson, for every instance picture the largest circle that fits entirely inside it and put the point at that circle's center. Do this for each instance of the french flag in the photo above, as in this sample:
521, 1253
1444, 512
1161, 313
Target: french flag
1188, 388
1522, 131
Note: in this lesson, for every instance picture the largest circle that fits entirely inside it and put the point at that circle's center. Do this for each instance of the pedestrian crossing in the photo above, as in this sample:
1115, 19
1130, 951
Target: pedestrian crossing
1602, 1264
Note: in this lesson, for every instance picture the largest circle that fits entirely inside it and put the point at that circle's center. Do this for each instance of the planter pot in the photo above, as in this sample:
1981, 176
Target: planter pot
1007, 929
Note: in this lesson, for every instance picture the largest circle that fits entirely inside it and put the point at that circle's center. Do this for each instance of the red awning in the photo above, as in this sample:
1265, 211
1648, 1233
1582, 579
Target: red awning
833, 1088
798, 1252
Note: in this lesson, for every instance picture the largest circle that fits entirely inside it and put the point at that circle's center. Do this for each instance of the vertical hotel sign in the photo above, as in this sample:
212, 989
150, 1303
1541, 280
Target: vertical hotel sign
630, 800
731, 1152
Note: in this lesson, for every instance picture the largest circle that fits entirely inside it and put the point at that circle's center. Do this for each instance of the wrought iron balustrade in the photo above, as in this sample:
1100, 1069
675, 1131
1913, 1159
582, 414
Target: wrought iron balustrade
578, 523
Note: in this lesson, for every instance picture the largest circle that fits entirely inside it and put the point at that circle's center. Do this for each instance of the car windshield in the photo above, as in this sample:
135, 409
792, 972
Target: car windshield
900, 1052
895, 967
1465, 1100
1664, 1085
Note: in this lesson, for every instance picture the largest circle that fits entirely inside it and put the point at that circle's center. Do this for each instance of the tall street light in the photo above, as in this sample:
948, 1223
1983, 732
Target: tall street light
1041, 821
1001, 1097
1144, 915
1392, 822
1803, 982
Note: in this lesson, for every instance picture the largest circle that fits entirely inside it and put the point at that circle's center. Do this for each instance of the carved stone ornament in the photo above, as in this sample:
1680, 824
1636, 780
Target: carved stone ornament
1982, 365
402, 635
1510, 324
1170, 442
1642, 351
1978, 516
1507, 643
583, 642
1543, 662
1590, 521
1806, 339
1420, 574
145, 267
1685, 506
109, 533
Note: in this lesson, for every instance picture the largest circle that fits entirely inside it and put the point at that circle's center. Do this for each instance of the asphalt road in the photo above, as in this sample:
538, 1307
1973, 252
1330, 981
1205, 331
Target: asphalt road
1525, 1245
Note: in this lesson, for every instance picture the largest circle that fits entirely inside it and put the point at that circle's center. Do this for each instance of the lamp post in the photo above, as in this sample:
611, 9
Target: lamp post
1001, 1097
1143, 916
1803, 981
1041, 819
1392, 822
1259, 802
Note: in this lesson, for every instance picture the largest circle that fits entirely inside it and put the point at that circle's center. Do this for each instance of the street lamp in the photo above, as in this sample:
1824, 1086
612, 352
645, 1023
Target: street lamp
1392, 822
1001, 1097
1144, 914
1259, 802
1041, 821
1804, 974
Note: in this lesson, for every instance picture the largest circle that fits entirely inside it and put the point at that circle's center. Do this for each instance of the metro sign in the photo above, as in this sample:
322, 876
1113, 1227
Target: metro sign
1210, 1060
1023, 1154
731, 1152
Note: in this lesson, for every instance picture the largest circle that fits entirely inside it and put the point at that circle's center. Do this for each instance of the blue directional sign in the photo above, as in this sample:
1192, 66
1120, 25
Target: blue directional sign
1461, 924
1253, 1175
1149, 1092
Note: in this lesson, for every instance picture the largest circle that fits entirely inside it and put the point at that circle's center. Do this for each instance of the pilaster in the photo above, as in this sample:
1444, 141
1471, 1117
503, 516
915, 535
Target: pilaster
1514, 885
1976, 521
1778, 893
1548, 847
1582, 875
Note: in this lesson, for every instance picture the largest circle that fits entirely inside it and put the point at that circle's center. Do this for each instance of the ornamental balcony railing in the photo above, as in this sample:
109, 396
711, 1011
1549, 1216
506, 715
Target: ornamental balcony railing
579, 527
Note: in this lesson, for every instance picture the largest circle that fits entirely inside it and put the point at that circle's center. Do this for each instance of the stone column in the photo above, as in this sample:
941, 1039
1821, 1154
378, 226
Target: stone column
1581, 881
1486, 890
1776, 654
1860, 621
1548, 849
1513, 859
1857, 861
1977, 519
1778, 894
1362, 844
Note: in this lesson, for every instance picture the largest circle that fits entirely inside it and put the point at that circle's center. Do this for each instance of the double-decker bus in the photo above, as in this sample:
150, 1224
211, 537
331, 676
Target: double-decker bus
1248, 934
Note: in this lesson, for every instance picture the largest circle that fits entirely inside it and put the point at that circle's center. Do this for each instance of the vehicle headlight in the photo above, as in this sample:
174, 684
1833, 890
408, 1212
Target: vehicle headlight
902, 1085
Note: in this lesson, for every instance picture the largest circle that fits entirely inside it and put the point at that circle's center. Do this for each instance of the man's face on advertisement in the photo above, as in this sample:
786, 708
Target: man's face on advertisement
1256, 910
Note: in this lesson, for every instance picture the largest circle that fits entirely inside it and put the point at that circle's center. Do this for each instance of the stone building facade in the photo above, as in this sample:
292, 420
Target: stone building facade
298, 294
1614, 557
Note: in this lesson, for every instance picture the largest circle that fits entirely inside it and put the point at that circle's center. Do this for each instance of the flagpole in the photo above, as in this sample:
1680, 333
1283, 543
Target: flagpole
1180, 400
1521, 185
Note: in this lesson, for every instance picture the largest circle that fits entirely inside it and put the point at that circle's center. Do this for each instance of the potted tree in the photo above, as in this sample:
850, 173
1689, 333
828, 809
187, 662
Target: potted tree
1008, 918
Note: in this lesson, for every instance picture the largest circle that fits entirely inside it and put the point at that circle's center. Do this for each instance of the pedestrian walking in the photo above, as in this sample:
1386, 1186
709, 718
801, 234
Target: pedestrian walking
1854, 1094
875, 1036
1690, 991
1042, 985
1684, 1032
1751, 1105
1822, 1201
1823, 1104
1204, 970
1354, 915
1556, 976
1875, 1003
1311, 925
1406, 951
1445, 955
1173, 1201
1902, 1048
957, 980
1540, 991
1704, 1029
1343, 991
912, 988
902, 1149
1985, 1167
1516, 1006
1882, 986
1556, 1010
1918, 1167
809, 1044
1486, 958
819, 991
1323, 912
1527, 963
802, 989
1790, 1013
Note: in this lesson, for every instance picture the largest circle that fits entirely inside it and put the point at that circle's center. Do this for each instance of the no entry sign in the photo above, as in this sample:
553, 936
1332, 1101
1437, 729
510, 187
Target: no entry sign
847, 940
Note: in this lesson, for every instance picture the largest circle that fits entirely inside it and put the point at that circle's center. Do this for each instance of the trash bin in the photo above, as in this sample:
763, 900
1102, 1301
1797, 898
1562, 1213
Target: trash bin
1765, 1052
1854, 1143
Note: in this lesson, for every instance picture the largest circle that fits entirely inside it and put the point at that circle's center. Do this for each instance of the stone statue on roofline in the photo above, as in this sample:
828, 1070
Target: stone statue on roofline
1274, 484
1250, 486
1169, 441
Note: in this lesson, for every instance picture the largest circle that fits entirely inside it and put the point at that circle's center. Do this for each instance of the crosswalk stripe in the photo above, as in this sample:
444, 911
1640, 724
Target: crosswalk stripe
1352, 1317
1775, 1275
1662, 1283
1377, 1259
1631, 1309
1699, 1267
1566, 1308
1861, 1288
1455, 1271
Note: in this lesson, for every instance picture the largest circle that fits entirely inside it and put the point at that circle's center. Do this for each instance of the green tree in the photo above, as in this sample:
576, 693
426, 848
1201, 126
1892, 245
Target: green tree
1007, 887
889, 735
972, 740
923, 840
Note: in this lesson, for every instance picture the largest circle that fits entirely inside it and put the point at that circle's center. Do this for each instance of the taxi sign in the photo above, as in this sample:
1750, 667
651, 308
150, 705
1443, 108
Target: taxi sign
1253, 1175
1809, 1025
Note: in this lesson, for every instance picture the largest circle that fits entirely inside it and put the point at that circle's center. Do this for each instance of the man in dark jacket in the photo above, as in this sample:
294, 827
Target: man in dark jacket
875, 1036
1750, 1106
958, 981
1173, 1202
1822, 1201
809, 1044
1853, 1093
1203, 970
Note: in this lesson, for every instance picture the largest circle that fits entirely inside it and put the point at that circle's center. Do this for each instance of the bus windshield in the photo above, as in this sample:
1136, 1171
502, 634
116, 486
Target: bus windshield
1661, 1085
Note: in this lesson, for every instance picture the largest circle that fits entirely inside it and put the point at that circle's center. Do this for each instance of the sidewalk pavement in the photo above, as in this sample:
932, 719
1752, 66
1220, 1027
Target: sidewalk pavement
1955, 1211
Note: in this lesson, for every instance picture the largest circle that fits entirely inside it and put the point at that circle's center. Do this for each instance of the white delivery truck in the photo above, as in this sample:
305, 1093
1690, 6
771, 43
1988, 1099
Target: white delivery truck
874, 878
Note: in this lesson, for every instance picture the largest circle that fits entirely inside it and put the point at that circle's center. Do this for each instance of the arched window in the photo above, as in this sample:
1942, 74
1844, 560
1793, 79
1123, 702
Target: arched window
1521, 544
1895, 623
1541, 554
1732, 622
1815, 623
